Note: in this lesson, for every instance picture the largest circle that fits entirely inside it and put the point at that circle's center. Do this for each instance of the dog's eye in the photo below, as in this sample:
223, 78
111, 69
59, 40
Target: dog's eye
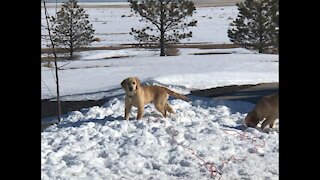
133, 83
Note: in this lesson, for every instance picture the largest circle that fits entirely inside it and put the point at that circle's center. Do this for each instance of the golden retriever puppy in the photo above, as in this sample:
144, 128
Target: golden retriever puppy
267, 107
138, 96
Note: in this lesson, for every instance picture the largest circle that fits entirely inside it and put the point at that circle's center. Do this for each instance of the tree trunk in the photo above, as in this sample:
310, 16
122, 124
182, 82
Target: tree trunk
260, 39
71, 51
71, 43
261, 30
162, 41
162, 45
71, 35
55, 62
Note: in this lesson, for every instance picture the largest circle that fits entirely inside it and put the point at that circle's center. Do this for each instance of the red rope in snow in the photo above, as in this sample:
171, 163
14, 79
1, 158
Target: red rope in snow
209, 166
243, 136
258, 145
232, 157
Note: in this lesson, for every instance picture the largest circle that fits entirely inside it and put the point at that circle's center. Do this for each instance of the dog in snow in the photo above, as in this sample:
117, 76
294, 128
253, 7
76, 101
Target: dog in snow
138, 96
266, 108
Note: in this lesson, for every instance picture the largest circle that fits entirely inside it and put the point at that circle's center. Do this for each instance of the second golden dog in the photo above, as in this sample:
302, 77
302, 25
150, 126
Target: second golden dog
138, 96
266, 108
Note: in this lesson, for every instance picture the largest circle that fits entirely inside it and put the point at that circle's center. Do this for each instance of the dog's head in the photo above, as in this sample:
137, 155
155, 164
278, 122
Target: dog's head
131, 85
251, 120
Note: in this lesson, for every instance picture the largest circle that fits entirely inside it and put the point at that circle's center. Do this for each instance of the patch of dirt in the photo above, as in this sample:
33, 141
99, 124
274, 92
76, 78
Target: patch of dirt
137, 45
248, 93
213, 92
50, 108
210, 53
87, 67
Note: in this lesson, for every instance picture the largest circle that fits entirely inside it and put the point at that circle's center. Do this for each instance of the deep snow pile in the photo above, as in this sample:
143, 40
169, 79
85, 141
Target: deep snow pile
97, 143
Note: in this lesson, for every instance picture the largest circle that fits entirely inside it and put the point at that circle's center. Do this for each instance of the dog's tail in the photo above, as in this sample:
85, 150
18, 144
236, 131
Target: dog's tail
176, 95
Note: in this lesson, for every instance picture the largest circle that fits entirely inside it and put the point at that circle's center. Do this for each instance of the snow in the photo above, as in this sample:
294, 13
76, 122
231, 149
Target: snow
93, 76
97, 143
113, 25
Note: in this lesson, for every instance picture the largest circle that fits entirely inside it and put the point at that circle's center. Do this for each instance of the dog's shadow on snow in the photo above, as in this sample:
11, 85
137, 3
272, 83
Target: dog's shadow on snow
103, 121
250, 129
238, 127
79, 123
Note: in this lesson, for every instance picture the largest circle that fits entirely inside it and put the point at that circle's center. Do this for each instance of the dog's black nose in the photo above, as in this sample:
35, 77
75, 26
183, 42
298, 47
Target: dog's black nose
130, 88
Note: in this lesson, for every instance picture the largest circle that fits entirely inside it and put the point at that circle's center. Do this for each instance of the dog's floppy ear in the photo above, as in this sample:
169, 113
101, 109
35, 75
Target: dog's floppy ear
123, 84
247, 120
138, 82
250, 120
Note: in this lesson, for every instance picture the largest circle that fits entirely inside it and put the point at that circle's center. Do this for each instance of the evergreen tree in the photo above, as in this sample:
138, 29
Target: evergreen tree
71, 27
257, 25
167, 17
273, 13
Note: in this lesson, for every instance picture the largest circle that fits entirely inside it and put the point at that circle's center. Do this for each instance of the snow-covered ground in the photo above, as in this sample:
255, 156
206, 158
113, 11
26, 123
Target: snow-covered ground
202, 136
98, 144
96, 75
113, 25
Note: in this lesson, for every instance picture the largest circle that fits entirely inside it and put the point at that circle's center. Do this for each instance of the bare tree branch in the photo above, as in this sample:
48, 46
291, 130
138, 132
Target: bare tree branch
55, 60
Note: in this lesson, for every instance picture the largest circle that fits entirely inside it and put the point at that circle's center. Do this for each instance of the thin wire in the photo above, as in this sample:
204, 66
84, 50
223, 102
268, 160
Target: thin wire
53, 74
47, 87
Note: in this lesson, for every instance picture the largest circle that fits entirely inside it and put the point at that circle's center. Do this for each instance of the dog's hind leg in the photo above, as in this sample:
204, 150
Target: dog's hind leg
272, 124
168, 108
269, 121
161, 108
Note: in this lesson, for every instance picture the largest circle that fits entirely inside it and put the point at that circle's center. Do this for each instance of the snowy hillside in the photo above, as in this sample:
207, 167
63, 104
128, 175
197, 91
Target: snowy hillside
98, 144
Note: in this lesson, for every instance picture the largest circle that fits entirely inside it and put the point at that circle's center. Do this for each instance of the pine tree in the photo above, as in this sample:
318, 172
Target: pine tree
168, 18
257, 25
273, 13
72, 29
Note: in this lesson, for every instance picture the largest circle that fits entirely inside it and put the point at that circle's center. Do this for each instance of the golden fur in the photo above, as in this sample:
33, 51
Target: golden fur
267, 107
138, 96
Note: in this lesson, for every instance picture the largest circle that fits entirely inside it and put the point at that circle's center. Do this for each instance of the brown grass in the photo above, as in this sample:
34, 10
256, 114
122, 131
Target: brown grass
97, 39
209, 53
172, 51
173, 48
